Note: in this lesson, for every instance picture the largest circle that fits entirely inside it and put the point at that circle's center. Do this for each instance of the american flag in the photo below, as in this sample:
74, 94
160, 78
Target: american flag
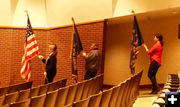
30, 50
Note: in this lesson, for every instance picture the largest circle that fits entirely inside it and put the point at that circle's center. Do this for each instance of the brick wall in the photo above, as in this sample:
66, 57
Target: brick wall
12, 43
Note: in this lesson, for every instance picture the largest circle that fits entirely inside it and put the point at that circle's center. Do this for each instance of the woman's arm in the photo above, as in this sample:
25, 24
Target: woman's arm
145, 46
150, 51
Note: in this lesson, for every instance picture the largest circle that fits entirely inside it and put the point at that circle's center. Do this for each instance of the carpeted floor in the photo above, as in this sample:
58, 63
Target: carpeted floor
145, 99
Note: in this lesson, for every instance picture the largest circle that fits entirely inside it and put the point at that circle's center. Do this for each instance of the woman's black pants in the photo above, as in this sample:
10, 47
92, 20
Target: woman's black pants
152, 74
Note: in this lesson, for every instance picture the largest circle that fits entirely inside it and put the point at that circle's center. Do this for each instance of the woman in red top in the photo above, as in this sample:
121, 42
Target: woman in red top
155, 54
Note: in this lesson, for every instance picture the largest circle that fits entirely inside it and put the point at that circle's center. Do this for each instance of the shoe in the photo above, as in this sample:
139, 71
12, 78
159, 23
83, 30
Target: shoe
155, 91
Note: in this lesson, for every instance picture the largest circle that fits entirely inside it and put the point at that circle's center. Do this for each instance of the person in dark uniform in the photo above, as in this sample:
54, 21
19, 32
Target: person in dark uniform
92, 62
155, 54
50, 63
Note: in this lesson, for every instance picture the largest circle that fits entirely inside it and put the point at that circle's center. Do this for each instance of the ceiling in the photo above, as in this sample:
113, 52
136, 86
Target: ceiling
165, 13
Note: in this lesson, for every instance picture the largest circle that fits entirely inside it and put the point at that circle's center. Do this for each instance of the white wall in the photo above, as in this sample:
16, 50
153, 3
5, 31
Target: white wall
60, 12
50, 13
124, 7
36, 10
5, 12
117, 47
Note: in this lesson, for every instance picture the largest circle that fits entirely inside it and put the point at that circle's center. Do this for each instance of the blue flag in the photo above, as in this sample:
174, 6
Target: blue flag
77, 41
137, 41
76, 49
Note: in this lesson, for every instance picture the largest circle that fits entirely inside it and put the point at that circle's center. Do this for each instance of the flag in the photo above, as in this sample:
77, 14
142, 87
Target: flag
30, 50
76, 41
76, 49
137, 41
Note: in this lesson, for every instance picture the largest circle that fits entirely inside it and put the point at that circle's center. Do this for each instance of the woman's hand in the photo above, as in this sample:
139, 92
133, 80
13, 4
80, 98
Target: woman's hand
145, 46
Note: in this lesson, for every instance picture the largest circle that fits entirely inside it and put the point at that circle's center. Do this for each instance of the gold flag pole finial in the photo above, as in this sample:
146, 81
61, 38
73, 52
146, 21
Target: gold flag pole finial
26, 12
73, 20
133, 12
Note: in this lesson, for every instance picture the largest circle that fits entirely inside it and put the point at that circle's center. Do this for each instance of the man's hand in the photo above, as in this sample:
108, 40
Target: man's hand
84, 54
40, 57
45, 74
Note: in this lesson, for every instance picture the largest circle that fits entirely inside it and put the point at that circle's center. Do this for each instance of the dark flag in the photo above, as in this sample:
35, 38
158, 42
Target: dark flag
76, 49
137, 41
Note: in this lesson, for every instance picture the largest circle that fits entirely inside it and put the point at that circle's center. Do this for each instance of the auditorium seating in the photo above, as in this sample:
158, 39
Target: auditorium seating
61, 97
58, 96
21, 95
18, 87
10, 98
91, 87
114, 96
124, 100
7, 105
14, 88
38, 101
79, 91
98, 84
3, 90
71, 94
87, 93
24, 103
121, 94
43, 89
2, 99
81, 103
106, 97
171, 85
69, 105
117, 96
34, 91
86, 89
95, 100
155, 105
56, 85
50, 100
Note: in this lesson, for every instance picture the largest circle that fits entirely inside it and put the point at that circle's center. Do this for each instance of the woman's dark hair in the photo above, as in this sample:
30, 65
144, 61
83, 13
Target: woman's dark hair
160, 38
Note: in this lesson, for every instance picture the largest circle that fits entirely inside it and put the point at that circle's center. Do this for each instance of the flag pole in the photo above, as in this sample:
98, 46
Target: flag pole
133, 12
74, 59
43, 73
137, 41
73, 20
26, 12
